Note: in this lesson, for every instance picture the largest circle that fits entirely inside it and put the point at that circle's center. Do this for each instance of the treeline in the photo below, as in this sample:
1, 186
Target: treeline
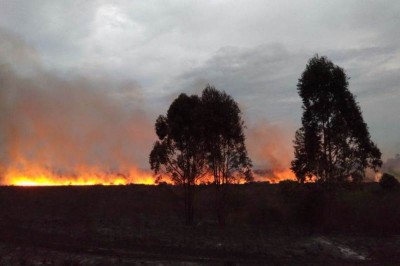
202, 138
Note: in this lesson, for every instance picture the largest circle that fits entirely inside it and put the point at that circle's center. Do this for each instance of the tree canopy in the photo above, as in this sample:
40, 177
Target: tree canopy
225, 145
333, 144
179, 153
199, 136
224, 138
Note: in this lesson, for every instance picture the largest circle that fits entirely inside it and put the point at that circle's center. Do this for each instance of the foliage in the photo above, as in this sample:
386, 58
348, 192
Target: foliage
224, 138
333, 144
287, 187
224, 142
388, 182
179, 153
201, 135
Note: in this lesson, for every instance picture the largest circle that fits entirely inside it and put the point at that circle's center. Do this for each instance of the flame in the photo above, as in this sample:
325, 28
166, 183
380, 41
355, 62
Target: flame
33, 175
275, 176
286, 174
83, 176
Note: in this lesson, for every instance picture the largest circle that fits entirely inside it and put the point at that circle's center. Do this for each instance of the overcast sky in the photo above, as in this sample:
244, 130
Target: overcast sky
254, 50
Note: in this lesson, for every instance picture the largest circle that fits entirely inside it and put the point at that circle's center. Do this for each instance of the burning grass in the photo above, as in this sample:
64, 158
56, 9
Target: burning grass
80, 177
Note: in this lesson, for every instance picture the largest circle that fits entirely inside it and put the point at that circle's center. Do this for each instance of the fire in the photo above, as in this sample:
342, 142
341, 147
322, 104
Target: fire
274, 176
283, 175
36, 176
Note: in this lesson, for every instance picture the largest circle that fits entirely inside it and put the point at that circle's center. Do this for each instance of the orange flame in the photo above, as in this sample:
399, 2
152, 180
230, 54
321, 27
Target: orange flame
275, 176
38, 176
84, 176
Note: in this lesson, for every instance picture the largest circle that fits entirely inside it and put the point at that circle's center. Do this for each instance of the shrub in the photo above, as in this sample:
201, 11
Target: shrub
388, 182
287, 186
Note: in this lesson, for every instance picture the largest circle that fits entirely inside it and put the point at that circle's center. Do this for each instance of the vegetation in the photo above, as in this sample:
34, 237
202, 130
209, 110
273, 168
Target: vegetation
179, 152
333, 145
224, 141
388, 182
200, 136
201, 148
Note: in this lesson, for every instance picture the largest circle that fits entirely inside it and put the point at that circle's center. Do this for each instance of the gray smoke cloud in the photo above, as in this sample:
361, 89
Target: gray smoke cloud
392, 166
66, 123
270, 148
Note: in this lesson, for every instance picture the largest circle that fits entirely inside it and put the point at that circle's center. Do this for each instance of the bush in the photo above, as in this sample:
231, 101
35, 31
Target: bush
388, 182
287, 186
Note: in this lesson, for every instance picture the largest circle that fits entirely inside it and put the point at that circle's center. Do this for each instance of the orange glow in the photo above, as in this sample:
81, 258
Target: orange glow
36, 176
275, 176
84, 176
284, 175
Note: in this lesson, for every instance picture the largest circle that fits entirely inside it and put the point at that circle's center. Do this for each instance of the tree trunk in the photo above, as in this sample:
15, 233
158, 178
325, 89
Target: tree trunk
189, 198
220, 204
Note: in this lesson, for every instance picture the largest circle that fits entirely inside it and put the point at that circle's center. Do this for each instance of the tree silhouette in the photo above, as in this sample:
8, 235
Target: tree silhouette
179, 153
333, 143
224, 142
199, 136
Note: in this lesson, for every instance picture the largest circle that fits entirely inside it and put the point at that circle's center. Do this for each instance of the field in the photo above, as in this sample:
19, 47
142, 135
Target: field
285, 224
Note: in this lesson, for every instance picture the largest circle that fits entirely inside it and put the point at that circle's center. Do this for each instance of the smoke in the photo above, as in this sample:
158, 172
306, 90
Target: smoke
72, 130
392, 166
15, 53
270, 149
66, 125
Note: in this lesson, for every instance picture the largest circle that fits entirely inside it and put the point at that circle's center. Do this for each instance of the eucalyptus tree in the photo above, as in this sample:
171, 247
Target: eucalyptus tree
199, 138
225, 144
333, 144
179, 151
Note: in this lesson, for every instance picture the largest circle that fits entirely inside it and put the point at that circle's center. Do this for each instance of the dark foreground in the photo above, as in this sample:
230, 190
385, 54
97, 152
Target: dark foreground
142, 225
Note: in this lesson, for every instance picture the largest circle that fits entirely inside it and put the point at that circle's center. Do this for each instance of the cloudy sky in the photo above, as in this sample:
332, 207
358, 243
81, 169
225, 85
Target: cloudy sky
149, 51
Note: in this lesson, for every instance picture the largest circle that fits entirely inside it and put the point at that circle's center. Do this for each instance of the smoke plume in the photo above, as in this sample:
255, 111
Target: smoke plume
392, 166
65, 126
66, 129
271, 151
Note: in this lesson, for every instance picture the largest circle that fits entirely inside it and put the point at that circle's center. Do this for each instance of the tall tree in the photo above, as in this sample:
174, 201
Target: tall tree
224, 142
179, 153
333, 144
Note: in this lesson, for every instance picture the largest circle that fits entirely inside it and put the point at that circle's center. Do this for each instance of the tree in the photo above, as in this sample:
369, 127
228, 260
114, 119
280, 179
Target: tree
224, 142
200, 136
179, 153
333, 144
